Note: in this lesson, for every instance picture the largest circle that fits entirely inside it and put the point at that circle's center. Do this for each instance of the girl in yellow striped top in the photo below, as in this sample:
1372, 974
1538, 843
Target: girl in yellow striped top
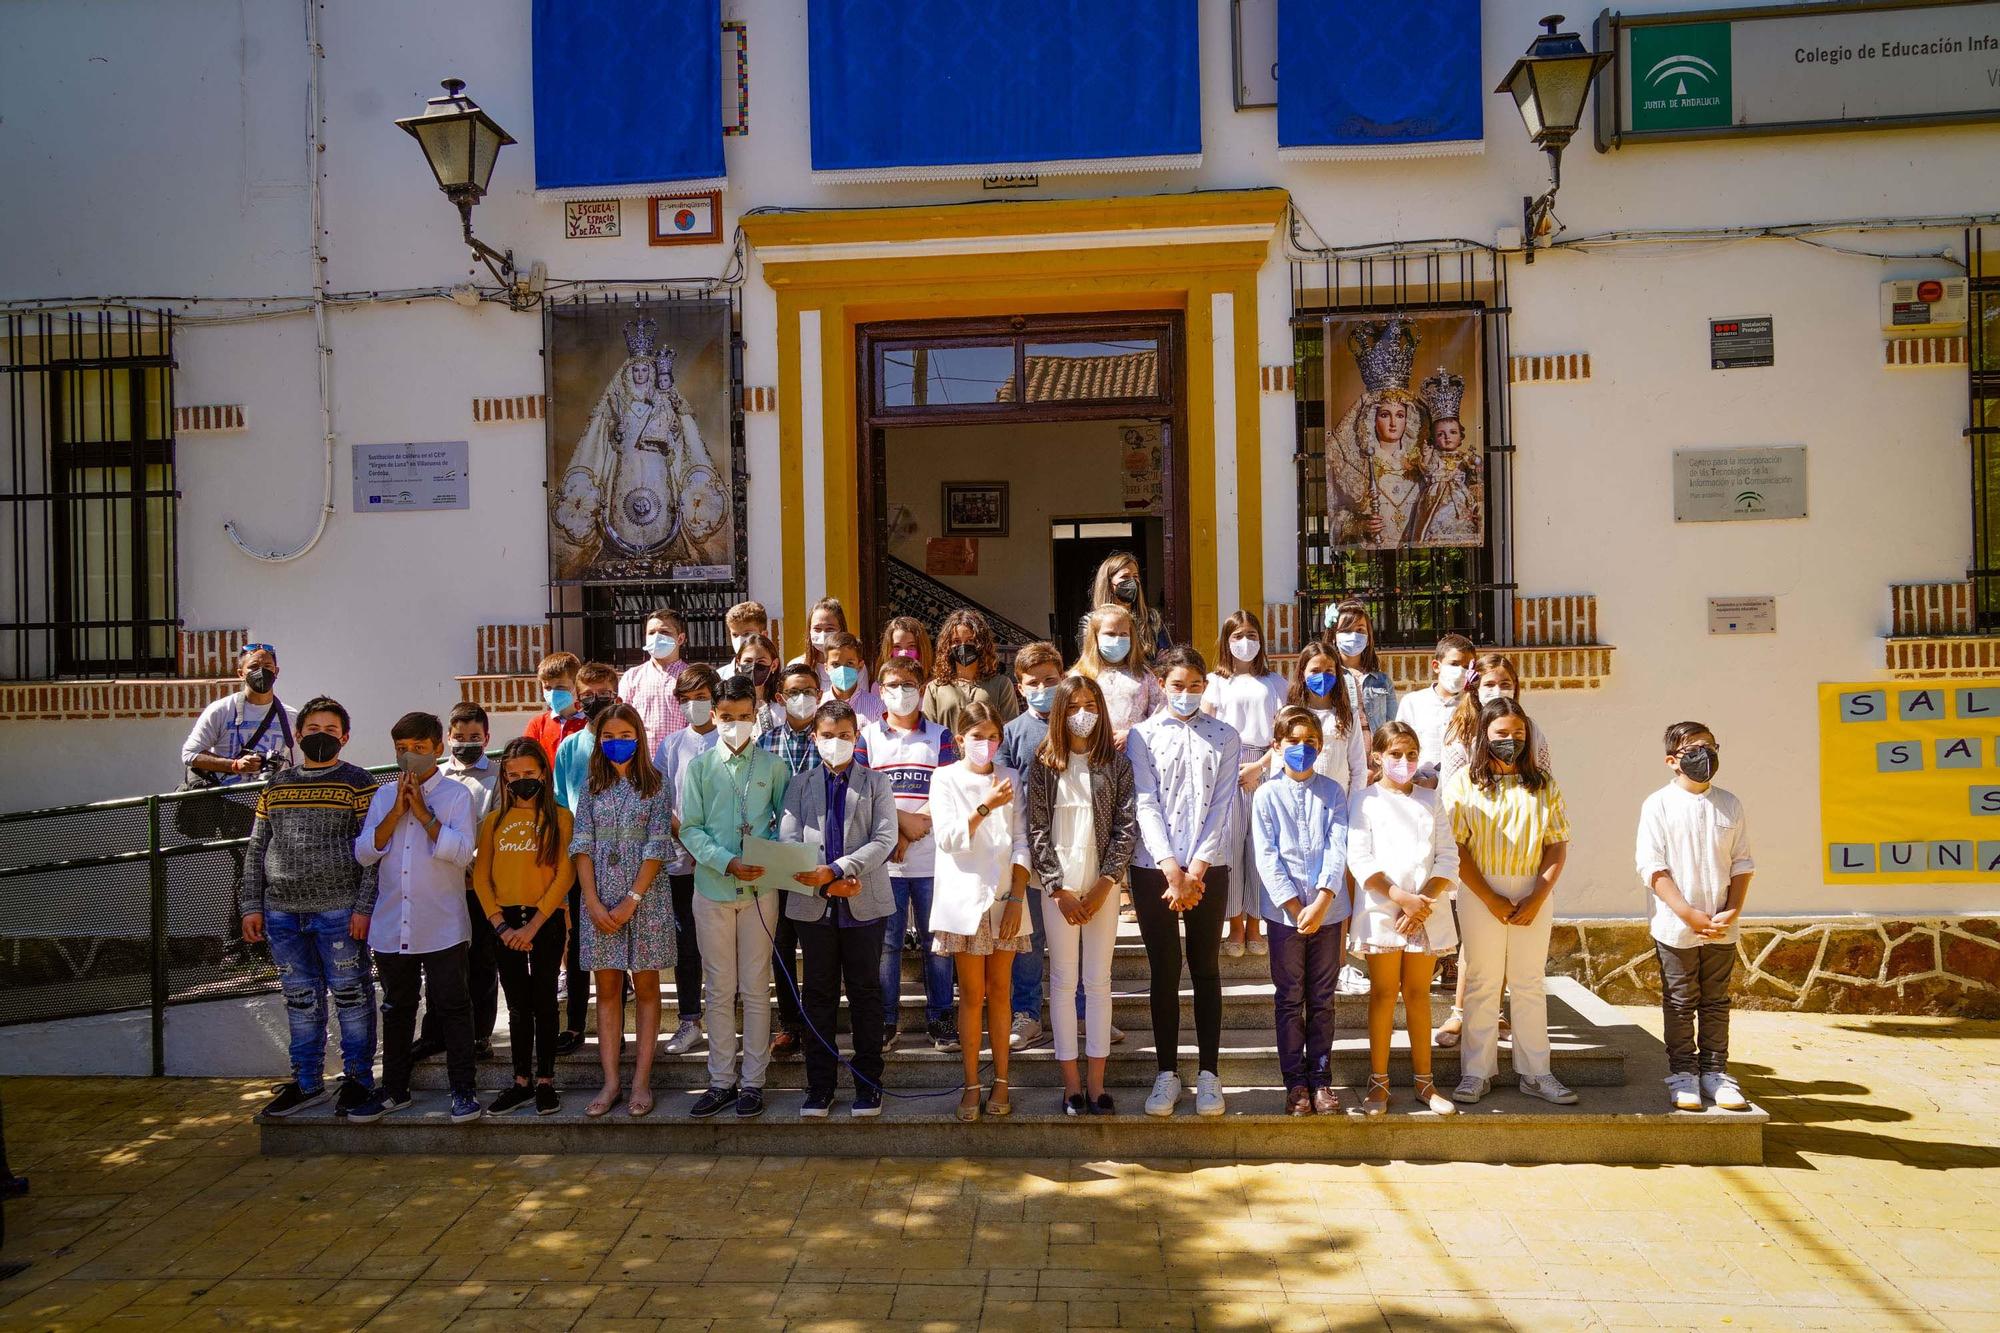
1513, 836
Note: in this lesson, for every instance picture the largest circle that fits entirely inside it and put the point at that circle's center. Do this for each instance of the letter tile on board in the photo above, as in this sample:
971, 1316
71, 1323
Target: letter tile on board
1985, 800
1898, 857
1958, 752
1924, 704
1951, 854
1989, 857
1866, 706
1980, 703
1899, 757
1852, 858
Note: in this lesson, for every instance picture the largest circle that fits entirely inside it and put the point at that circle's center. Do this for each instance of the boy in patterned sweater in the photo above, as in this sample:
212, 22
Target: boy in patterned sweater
305, 892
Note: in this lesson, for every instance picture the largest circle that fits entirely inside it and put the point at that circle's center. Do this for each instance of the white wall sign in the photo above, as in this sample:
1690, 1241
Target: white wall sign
587, 219
401, 477
1742, 615
1739, 485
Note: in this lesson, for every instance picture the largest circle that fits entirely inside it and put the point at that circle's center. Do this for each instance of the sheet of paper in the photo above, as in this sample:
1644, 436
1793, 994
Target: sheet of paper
781, 860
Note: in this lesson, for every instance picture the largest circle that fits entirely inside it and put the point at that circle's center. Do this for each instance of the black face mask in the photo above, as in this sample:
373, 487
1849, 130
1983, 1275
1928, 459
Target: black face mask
1506, 749
594, 704
260, 679
526, 789
1699, 763
1126, 591
319, 746
965, 654
467, 752
759, 673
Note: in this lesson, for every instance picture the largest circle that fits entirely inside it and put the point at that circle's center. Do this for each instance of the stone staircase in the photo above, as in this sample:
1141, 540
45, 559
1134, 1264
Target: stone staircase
1615, 1067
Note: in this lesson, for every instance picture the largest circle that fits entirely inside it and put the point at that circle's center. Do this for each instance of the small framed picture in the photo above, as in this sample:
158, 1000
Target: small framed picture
685, 219
975, 509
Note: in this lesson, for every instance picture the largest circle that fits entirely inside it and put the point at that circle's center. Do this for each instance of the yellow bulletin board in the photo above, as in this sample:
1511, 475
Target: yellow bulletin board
1909, 782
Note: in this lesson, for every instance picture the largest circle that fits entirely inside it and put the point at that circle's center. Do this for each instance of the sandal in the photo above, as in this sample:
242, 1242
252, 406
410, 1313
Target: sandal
601, 1107
640, 1103
999, 1104
968, 1111
1447, 1036
1377, 1101
1428, 1098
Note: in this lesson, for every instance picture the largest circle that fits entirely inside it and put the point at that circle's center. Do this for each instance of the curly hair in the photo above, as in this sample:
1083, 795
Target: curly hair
982, 638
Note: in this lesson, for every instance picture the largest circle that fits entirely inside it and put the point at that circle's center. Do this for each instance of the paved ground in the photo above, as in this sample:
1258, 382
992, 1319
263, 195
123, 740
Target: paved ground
1875, 1209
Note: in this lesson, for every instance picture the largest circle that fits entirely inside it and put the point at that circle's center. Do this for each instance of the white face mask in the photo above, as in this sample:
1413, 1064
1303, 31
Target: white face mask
821, 638
735, 735
736, 642
1488, 693
1245, 649
834, 750
980, 752
697, 711
1451, 678
801, 706
1082, 722
900, 700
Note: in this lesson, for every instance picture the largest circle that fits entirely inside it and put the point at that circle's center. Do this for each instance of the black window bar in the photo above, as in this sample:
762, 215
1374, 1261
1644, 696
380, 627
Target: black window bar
87, 495
1413, 594
603, 619
1982, 432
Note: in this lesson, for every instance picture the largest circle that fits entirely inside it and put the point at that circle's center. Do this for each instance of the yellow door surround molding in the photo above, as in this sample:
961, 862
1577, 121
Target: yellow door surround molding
834, 270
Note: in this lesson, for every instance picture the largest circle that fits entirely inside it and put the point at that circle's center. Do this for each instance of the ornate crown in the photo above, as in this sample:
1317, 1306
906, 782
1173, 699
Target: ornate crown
1385, 352
1442, 392
639, 336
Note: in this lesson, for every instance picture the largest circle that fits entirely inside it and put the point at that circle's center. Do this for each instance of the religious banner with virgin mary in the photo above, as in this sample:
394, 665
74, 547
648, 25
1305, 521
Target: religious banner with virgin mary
641, 482
1405, 448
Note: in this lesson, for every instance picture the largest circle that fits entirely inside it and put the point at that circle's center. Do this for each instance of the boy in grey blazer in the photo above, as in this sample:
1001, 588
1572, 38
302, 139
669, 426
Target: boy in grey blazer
849, 812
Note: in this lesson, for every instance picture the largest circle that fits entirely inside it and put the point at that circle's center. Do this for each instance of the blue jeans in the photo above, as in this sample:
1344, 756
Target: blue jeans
315, 955
1029, 964
913, 895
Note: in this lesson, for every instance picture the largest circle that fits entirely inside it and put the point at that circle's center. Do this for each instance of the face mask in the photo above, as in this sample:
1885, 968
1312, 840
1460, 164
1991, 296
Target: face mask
843, 678
910, 653
735, 735
736, 642
1699, 763
1244, 650
1351, 642
1488, 693
1400, 769
834, 750
821, 638
1321, 683
594, 704
320, 746
981, 752
1126, 591
698, 711
1451, 679
1082, 722
260, 679
1299, 758
900, 700
1113, 647
965, 654
468, 752
526, 789
801, 706
758, 672
1040, 697
412, 762
1184, 703
558, 700
662, 645
1506, 749
619, 750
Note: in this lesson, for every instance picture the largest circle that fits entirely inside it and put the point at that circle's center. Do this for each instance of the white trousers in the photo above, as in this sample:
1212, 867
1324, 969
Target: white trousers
1084, 949
735, 940
1518, 956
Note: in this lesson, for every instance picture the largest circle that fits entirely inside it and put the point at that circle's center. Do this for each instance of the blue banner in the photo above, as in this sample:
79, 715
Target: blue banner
1379, 80
628, 94
940, 88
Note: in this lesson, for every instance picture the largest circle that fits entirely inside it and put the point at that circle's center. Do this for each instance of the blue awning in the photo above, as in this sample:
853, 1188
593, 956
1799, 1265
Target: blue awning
955, 89
1362, 80
628, 97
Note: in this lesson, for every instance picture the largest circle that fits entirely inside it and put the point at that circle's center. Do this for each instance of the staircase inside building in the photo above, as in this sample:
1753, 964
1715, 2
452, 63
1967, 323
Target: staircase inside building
915, 593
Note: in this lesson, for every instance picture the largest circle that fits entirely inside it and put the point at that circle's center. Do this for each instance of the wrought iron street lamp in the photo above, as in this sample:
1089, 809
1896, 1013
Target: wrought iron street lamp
460, 141
1549, 86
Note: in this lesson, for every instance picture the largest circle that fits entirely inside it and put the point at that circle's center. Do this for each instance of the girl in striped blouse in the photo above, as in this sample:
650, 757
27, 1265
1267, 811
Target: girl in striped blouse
1507, 815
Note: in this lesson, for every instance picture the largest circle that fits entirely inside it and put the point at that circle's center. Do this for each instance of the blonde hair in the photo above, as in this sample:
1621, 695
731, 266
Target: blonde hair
1089, 661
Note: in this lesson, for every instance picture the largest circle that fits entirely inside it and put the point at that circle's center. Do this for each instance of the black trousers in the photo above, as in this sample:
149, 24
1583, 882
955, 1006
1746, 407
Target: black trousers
837, 956
785, 948
404, 976
687, 949
529, 980
1161, 928
482, 979
579, 980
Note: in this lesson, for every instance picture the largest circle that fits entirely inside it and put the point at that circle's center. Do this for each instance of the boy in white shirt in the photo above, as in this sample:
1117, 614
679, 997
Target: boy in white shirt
1694, 857
1428, 711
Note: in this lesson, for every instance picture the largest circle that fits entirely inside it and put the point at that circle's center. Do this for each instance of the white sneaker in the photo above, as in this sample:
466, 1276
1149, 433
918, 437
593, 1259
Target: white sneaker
1549, 1088
1722, 1090
1686, 1092
1352, 981
685, 1036
1117, 1035
1470, 1089
1166, 1093
1207, 1094
1027, 1030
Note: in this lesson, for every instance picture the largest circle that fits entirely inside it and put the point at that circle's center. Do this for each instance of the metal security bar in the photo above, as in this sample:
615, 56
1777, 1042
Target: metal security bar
1413, 594
1982, 364
87, 495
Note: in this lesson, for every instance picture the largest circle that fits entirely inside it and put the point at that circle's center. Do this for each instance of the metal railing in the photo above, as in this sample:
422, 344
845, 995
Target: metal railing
915, 593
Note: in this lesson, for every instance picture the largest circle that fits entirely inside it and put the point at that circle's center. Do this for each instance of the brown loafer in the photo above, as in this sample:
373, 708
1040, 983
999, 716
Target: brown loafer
784, 1046
1326, 1101
1298, 1101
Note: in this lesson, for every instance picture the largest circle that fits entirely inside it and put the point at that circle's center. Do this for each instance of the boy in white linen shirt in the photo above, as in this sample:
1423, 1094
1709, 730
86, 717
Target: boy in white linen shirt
1428, 711
1694, 857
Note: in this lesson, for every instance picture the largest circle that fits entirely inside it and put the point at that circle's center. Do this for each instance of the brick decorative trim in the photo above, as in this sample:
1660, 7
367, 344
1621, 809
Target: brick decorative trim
1278, 379
760, 398
209, 654
109, 700
1578, 668
1930, 608
502, 693
210, 418
1932, 657
511, 650
520, 407
1939, 350
1566, 620
1548, 369
1281, 628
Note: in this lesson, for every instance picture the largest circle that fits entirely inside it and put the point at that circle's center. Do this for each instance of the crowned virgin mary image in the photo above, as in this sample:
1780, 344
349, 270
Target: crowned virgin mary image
1452, 510
1374, 473
640, 493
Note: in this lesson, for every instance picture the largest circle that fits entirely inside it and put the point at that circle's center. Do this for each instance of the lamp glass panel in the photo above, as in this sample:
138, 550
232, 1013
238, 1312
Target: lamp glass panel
485, 147
447, 142
1563, 85
1523, 89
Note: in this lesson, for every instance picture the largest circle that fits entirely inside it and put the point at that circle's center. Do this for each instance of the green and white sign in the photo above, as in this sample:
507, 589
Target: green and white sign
1680, 77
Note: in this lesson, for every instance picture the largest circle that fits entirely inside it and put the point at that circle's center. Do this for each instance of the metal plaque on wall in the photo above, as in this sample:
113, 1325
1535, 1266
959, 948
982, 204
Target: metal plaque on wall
394, 478
1739, 485
1737, 344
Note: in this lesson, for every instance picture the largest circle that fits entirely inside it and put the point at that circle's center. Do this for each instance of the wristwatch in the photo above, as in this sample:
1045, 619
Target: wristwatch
983, 812
635, 896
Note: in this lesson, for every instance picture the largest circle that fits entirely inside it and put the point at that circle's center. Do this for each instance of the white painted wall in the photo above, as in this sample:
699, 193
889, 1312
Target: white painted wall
164, 141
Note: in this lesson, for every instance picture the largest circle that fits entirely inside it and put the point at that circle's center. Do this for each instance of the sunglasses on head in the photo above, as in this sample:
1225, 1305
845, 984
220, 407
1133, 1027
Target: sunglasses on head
250, 648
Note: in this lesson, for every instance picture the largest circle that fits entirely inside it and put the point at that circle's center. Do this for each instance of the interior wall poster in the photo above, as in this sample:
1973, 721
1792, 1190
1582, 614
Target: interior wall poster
640, 470
1405, 448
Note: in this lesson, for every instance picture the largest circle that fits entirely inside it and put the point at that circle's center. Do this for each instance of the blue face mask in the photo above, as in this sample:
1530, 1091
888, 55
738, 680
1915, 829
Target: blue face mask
1321, 683
620, 749
1299, 758
1040, 697
1351, 641
558, 699
1184, 703
662, 645
844, 677
1113, 647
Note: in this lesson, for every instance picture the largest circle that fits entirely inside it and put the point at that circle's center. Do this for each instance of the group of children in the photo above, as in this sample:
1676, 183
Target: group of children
994, 818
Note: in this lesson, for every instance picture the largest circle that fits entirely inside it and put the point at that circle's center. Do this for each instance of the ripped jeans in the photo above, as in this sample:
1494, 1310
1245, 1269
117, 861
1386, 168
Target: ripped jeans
316, 956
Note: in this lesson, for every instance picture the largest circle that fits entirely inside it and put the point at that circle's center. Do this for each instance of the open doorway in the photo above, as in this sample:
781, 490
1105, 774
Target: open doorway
1005, 459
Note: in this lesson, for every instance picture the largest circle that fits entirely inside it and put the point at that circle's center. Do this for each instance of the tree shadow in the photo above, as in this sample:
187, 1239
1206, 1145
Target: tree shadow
1807, 1120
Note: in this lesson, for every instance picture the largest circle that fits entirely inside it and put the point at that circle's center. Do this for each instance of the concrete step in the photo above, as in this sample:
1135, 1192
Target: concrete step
1609, 1125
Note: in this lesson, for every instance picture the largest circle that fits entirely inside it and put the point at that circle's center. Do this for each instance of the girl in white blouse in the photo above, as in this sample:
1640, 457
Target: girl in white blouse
1113, 657
1318, 685
1401, 852
1244, 692
979, 896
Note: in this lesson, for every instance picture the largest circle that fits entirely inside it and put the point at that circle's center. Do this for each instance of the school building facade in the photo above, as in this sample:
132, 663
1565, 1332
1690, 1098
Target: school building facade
948, 340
